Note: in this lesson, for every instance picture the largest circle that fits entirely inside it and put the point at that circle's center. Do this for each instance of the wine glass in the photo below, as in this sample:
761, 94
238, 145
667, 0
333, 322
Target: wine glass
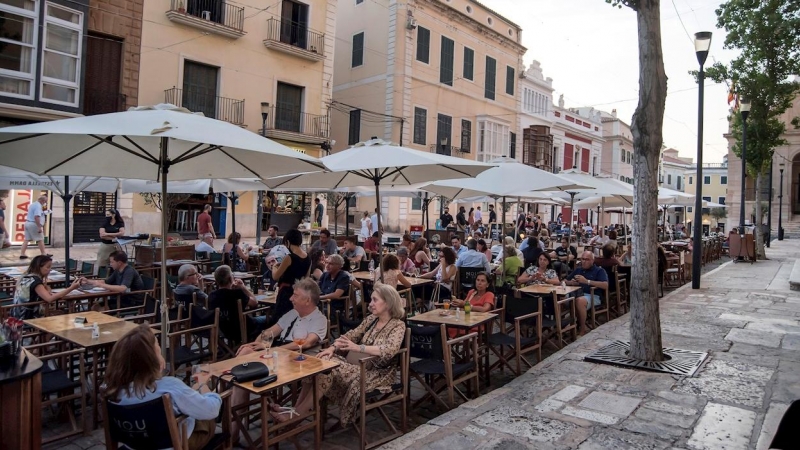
300, 338
266, 338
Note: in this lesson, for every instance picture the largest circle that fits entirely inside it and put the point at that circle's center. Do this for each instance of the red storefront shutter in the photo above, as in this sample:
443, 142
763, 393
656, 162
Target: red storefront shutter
585, 159
569, 151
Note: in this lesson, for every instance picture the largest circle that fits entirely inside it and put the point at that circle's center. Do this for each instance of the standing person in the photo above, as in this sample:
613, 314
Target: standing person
471, 219
318, 210
374, 220
34, 226
204, 225
478, 219
291, 269
446, 219
492, 214
366, 228
461, 218
5, 240
112, 228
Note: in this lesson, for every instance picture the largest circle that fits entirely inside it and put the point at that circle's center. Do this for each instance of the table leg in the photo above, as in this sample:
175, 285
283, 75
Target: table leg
265, 421
317, 415
486, 352
95, 388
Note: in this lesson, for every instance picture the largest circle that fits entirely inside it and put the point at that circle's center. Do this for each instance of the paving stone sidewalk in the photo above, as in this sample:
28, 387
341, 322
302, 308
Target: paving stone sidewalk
745, 316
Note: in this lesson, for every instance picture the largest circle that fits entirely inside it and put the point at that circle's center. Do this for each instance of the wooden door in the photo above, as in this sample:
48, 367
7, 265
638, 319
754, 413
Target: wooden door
101, 93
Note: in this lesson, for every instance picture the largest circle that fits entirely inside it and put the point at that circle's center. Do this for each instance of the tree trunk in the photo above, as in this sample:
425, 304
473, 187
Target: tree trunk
760, 250
646, 126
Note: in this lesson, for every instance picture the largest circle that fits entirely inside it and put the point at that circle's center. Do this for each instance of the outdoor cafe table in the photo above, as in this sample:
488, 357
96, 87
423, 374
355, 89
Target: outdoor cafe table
415, 281
267, 298
463, 322
543, 289
289, 372
78, 295
63, 326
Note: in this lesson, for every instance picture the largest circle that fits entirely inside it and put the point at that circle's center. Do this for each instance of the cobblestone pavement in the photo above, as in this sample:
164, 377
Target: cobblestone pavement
745, 316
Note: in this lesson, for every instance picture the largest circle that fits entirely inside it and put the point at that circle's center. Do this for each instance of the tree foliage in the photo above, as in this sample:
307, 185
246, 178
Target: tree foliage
767, 34
169, 204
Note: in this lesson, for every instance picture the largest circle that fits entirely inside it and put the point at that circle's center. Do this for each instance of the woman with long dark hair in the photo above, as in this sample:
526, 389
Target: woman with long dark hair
134, 375
112, 228
32, 287
294, 267
233, 255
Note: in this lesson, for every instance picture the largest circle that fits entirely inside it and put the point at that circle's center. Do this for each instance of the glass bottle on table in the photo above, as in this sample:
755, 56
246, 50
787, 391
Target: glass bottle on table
467, 307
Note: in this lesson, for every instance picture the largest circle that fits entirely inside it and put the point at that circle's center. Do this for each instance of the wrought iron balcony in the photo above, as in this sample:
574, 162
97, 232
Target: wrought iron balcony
102, 102
295, 38
448, 150
292, 124
227, 109
214, 16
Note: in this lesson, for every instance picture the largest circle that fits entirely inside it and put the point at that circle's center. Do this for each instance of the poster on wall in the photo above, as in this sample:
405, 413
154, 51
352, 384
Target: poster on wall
17, 213
415, 231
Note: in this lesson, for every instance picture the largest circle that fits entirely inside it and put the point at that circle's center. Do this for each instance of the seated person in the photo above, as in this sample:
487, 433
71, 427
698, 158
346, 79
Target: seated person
627, 257
381, 334
325, 243
480, 298
509, 267
509, 241
406, 264
190, 286
406, 242
373, 245
608, 259
134, 376
32, 287
335, 282
122, 280
317, 263
206, 245
272, 239
587, 275
541, 273
472, 258
228, 292
353, 253
566, 254
391, 272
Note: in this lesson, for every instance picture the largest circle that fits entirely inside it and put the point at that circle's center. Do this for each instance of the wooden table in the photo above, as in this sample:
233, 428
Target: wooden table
267, 298
77, 295
463, 322
415, 281
21, 397
543, 289
244, 276
112, 329
289, 371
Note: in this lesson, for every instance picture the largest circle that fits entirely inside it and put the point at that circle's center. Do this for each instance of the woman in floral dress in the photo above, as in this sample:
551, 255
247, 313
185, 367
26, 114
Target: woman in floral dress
542, 273
381, 334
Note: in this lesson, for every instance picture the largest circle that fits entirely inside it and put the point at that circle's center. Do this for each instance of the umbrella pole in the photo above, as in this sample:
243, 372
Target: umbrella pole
335, 215
233, 197
571, 215
380, 235
164, 227
259, 215
346, 215
503, 245
66, 196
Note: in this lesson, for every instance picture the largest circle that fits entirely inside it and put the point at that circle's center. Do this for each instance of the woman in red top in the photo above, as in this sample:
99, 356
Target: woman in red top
480, 299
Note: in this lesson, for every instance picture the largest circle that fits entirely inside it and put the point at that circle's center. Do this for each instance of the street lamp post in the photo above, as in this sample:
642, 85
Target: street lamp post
264, 115
780, 205
745, 109
702, 44
769, 208
260, 207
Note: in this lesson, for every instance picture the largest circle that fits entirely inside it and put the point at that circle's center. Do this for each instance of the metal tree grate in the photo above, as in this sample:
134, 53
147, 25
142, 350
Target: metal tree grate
677, 361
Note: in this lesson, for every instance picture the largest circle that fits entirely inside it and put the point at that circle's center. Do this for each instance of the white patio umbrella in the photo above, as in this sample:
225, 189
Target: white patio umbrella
377, 162
11, 178
150, 142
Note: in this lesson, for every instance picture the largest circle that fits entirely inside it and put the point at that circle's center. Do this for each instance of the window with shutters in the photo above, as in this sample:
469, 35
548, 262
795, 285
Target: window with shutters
354, 136
200, 88
444, 134
491, 74
416, 202
420, 127
358, 50
512, 149
423, 45
706, 179
446, 64
669, 179
469, 63
510, 73
723, 180
466, 136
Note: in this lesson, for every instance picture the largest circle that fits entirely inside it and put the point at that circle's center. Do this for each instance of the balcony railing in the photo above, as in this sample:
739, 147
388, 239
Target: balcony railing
448, 150
215, 16
290, 122
295, 38
227, 109
102, 102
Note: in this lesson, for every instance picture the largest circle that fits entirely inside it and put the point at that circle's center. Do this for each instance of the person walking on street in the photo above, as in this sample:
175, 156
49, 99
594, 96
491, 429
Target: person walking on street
318, 210
34, 226
204, 225
5, 240
366, 228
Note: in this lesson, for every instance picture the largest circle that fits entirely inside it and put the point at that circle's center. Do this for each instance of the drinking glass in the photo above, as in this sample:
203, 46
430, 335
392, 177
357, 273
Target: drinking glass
266, 338
446, 304
197, 369
300, 339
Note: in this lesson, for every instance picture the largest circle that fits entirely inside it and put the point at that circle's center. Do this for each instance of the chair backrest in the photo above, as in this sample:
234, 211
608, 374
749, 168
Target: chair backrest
87, 268
200, 255
467, 275
363, 265
518, 305
184, 299
73, 264
150, 304
611, 273
199, 316
427, 342
148, 283
102, 272
144, 425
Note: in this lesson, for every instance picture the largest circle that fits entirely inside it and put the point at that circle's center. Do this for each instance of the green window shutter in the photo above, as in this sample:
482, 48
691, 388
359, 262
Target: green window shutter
509, 80
469, 63
423, 44
491, 75
420, 128
358, 50
446, 65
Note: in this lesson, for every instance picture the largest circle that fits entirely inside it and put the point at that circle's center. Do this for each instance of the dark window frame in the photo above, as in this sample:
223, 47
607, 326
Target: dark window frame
420, 126
357, 53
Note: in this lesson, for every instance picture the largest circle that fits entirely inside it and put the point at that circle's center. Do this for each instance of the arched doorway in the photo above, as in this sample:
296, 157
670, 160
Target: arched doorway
794, 182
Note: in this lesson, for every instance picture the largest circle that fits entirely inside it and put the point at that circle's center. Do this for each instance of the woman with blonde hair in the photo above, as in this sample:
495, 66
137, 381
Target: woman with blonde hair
134, 376
381, 334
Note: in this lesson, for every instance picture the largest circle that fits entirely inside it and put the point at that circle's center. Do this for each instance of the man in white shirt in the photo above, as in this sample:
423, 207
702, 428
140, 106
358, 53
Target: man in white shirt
478, 218
374, 220
206, 245
34, 226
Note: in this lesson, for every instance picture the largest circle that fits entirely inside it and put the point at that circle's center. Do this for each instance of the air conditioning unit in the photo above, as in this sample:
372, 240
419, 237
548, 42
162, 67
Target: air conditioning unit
412, 23
206, 15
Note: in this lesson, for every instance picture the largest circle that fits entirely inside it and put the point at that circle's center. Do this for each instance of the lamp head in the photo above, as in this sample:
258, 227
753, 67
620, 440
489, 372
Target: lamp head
781, 165
264, 107
744, 107
702, 44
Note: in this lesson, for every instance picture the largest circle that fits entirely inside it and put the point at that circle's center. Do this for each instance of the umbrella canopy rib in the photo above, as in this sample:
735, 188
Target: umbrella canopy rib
73, 157
110, 141
183, 156
133, 143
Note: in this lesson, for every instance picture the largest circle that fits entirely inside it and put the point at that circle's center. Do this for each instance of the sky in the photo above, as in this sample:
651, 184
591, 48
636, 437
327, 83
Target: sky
590, 50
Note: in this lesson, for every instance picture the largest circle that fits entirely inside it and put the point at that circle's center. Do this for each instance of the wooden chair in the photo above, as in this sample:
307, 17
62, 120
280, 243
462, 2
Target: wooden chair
603, 308
376, 400
233, 324
466, 279
436, 370
60, 378
525, 315
196, 340
331, 306
619, 295
559, 319
87, 269
156, 425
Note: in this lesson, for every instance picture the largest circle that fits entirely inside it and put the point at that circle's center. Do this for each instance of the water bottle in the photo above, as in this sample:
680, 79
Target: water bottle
95, 331
372, 269
563, 284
